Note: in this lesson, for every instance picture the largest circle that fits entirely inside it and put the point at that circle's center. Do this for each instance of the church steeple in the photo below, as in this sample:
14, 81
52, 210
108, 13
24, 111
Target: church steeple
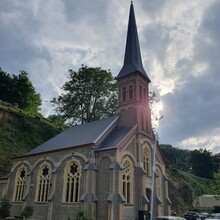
133, 82
132, 59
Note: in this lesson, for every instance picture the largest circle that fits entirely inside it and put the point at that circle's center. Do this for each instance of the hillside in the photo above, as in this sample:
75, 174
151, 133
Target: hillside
184, 188
20, 132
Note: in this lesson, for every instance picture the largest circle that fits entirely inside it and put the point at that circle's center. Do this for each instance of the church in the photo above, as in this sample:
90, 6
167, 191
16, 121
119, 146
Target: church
111, 168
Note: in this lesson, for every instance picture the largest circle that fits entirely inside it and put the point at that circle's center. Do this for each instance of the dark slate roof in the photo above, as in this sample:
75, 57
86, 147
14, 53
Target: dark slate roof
132, 59
116, 136
85, 134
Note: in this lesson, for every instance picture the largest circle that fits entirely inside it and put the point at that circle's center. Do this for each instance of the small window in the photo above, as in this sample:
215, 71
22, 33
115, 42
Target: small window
131, 92
140, 91
146, 161
124, 94
20, 184
145, 94
142, 120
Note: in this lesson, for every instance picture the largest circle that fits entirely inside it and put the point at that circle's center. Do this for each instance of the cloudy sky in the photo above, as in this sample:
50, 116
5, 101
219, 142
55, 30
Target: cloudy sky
180, 45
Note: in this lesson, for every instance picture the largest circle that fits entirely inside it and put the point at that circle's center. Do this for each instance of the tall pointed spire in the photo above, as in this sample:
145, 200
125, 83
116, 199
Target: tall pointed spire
132, 59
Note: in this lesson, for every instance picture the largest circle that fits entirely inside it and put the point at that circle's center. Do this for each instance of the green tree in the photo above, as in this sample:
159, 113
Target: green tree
201, 162
89, 95
154, 103
27, 211
19, 90
4, 207
216, 158
178, 158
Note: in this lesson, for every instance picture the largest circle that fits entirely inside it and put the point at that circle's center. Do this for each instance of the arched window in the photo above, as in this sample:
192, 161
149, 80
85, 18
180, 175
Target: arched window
146, 160
20, 184
72, 182
131, 92
127, 181
158, 184
140, 92
124, 94
43, 183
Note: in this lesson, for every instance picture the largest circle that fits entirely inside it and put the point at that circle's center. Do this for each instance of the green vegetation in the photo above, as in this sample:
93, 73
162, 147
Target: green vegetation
4, 208
185, 187
185, 184
202, 162
216, 182
90, 94
20, 131
18, 90
27, 211
81, 215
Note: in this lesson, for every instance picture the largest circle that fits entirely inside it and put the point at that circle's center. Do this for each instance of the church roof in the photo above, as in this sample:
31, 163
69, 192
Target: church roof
80, 135
132, 59
115, 138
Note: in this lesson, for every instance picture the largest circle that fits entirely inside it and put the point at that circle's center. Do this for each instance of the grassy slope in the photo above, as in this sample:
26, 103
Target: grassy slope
20, 132
184, 188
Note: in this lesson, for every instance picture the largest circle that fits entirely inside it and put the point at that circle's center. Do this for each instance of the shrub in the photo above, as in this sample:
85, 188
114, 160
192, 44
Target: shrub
5, 207
27, 211
81, 215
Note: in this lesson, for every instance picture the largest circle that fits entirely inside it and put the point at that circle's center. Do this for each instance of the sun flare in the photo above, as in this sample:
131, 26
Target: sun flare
156, 112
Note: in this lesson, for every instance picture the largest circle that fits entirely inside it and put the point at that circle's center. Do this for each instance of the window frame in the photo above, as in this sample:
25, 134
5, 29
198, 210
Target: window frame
70, 194
20, 186
44, 183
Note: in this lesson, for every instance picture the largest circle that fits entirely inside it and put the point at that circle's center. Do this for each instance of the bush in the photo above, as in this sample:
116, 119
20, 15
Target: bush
82, 215
27, 211
4, 207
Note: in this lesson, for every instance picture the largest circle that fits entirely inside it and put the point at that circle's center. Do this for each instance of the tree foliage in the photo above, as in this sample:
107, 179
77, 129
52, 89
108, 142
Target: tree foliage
179, 158
154, 103
19, 90
89, 95
202, 163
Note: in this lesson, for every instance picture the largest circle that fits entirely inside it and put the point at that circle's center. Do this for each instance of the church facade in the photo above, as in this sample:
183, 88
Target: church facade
105, 167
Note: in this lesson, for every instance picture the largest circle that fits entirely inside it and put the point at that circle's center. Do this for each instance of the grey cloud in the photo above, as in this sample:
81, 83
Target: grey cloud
18, 34
193, 110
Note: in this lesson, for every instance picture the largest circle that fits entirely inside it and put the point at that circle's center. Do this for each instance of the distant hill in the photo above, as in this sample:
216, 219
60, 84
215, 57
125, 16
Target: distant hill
20, 132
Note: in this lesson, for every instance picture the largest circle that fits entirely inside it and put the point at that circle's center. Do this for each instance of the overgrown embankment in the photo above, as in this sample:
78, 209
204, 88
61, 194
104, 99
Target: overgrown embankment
21, 131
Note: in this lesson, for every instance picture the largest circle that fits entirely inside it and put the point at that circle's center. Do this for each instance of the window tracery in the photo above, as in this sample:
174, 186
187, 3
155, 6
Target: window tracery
127, 181
146, 160
43, 184
20, 184
72, 182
